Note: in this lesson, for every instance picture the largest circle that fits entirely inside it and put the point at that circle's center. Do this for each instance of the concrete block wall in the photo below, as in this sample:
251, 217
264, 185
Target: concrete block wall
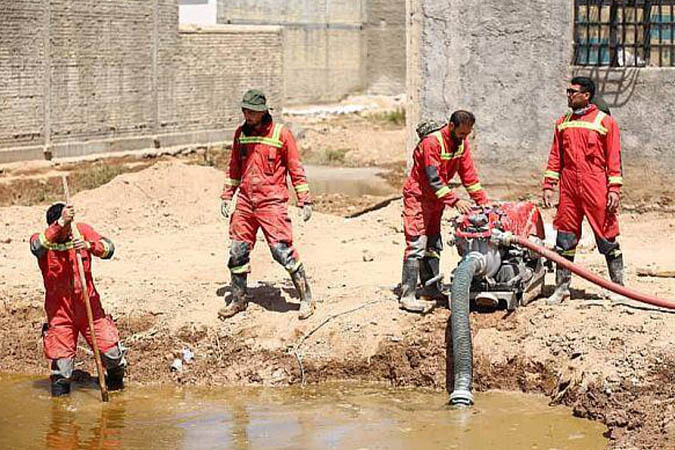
332, 48
83, 77
214, 66
386, 46
509, 62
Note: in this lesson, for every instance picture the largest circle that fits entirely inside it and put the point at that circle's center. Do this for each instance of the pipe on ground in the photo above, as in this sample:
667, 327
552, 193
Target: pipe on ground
461, 330
509, 239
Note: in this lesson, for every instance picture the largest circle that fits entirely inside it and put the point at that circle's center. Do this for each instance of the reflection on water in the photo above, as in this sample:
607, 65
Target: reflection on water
348, 181
336, 416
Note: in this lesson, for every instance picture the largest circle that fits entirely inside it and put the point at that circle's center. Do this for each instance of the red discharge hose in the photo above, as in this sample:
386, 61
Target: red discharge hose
590, 276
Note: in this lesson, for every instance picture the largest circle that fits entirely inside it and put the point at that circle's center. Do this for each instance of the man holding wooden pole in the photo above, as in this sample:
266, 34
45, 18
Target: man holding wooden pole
56, 250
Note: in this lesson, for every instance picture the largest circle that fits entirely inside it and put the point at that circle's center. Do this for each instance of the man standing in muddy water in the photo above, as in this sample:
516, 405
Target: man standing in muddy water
585, 157
263, 152
437, 158
64, 303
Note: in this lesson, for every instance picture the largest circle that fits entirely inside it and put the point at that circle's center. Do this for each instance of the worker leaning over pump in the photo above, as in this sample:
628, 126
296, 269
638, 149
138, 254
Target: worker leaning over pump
64, 301
585, 160
436, 159
263, 153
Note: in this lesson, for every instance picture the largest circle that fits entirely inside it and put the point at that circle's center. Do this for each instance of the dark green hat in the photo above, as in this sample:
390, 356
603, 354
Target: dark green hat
254, 100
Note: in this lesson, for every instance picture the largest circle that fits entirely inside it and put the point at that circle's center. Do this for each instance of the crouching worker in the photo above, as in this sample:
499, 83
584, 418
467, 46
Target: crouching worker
64, 301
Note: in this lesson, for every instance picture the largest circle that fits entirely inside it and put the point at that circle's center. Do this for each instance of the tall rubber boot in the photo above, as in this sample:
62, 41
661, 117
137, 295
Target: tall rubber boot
430, 276
239, 301
615, 267
563, 279
408, 301
307, 304
59, 385
114, 378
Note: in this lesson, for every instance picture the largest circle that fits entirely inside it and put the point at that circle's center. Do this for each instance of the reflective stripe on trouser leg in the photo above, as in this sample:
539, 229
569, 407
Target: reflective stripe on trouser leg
114, 357
239, 262
62, 368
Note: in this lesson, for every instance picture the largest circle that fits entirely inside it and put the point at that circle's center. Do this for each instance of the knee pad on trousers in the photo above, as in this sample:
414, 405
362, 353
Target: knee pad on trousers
607, 247
417, 247
239, 254
567, 244
284, 255
62, 368
114, 357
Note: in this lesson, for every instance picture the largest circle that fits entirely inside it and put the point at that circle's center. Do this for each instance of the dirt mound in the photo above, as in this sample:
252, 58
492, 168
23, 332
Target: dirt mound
169, 278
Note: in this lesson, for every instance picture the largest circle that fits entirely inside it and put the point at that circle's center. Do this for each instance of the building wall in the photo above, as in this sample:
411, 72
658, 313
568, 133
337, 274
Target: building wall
22, 74
324, 49
197, 12
509, 62
386, 46
82, 77
332, 48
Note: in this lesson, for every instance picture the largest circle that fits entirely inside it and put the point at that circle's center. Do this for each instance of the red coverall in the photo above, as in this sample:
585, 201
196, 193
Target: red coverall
436, 160
586, 158
64, 303
258, 167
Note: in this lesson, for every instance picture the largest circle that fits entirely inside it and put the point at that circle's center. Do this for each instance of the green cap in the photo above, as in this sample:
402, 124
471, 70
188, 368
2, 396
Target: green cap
254, 100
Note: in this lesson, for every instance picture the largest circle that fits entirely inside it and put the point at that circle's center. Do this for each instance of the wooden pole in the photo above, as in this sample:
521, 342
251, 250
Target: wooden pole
87, 304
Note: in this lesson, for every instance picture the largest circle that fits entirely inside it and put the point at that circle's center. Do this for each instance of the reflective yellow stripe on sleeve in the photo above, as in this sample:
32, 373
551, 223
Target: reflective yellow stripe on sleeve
232, 182
302, 188
615, 180
442, 192
552, 174
473, 187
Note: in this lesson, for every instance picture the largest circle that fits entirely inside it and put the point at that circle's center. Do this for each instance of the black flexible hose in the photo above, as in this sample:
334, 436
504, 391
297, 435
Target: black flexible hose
461, 331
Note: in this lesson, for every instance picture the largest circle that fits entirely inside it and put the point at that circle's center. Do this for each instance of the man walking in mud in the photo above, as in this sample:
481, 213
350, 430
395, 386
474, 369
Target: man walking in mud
64, 302
585, 160
263, 152
437, 158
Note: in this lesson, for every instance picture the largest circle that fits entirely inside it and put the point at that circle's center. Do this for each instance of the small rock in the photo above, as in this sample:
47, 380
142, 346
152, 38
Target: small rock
548, 314
187, 355
176, 365
6, 241
367, 257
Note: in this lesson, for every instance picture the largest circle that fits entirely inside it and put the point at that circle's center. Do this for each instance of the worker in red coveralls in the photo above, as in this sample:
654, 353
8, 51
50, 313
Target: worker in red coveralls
585, 160
263, 152
64, 301
436, 159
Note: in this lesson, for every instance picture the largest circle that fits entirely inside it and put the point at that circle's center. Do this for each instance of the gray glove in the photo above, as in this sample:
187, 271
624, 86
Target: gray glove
225, 208
306, 212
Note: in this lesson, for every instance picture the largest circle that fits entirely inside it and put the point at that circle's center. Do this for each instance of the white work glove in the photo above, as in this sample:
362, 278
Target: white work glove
225, 208
307, 212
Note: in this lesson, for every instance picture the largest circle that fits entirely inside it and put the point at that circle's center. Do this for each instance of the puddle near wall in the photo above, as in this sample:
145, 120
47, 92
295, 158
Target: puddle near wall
329, 416
349, 181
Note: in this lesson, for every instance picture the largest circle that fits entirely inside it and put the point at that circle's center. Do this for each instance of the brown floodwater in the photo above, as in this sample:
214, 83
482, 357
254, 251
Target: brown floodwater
329, 416
350, 181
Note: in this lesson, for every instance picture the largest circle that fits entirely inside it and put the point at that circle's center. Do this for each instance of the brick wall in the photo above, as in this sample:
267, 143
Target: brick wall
112, 75
22, 88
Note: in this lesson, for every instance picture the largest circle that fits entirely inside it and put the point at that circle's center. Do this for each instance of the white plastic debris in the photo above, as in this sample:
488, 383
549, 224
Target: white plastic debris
187, 355
177, 365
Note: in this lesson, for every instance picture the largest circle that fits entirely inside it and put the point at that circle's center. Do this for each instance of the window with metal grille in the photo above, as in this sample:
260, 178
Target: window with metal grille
622, 33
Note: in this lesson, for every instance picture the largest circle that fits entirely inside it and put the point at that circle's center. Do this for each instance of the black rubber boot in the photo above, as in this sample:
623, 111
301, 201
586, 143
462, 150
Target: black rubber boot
408, 301
563, 279
307, 303
615, 267
115, 378
59, 385
431, 277
239, 301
